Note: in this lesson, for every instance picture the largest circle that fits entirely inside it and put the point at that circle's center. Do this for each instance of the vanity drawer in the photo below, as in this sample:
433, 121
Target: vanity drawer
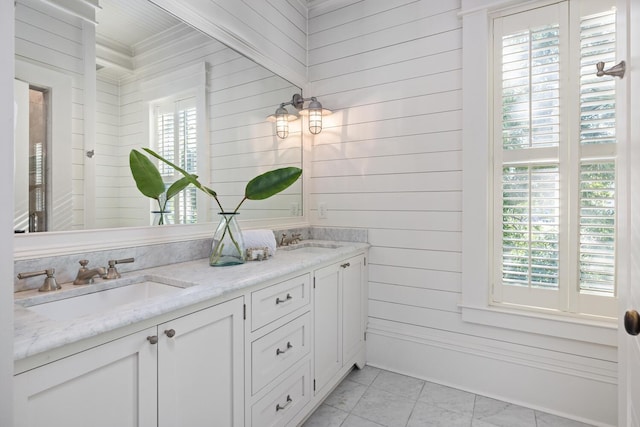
279, 300
282, 403
274, 354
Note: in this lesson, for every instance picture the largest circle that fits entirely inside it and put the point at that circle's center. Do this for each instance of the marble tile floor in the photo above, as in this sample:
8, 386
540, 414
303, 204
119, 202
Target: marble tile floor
373, 397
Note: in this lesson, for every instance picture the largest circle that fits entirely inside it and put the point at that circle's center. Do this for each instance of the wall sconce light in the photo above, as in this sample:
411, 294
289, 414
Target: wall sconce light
282, 122
281, 118
314, 111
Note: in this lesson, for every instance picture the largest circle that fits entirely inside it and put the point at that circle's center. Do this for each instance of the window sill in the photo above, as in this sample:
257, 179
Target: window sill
577, 329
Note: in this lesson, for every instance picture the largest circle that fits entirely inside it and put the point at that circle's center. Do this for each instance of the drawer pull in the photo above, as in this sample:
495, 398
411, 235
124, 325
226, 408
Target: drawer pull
170, 333
345, 265
279, 352
287, 298
280, 407
153, 339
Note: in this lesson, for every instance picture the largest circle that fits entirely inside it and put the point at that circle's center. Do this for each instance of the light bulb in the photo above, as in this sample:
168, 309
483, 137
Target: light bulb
282, 122
315, 117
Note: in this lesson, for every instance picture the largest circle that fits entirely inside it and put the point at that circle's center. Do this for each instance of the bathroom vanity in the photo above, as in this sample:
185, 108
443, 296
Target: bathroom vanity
260, 344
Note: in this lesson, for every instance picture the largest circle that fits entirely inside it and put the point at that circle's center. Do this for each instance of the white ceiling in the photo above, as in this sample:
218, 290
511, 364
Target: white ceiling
128, 22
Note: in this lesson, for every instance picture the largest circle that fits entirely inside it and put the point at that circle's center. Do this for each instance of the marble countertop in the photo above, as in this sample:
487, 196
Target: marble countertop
35, 333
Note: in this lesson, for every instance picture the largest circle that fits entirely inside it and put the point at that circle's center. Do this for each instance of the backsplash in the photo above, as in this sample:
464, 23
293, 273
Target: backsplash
145, 257
157, 255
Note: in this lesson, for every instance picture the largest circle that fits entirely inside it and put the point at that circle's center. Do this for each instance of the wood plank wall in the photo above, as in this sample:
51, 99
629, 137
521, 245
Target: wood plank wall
240, 95
389, 160
240, 137
47, 37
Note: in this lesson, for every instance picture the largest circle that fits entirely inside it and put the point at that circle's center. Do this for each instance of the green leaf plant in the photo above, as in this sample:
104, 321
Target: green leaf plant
259, 188
150, 182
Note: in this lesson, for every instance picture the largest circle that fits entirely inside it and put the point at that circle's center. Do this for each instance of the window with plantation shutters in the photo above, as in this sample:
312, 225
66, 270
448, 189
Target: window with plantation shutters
176, 140
554, 160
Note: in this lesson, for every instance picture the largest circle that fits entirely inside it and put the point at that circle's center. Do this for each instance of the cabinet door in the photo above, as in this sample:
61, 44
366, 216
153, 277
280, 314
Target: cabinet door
327, 309
200, 368
353, 318
110, 385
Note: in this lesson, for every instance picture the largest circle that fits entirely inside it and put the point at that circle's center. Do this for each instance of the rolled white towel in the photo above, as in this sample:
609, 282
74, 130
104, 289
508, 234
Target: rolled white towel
260, 239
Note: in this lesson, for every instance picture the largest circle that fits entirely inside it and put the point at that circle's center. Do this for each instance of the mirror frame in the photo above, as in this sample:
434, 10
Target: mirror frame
37, 245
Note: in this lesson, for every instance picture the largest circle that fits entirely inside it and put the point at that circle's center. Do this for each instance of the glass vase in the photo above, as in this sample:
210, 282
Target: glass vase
228, 246
162, 217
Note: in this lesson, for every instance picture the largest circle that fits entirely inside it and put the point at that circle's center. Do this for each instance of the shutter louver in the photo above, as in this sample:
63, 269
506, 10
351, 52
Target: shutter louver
188, 146
597, 227
597, 178
597, 95
530, 226
530, 88
176, 124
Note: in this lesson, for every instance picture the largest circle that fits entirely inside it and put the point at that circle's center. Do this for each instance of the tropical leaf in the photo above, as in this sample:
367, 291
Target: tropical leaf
271, 183
193, 179
261, 187
146, 175
177, 187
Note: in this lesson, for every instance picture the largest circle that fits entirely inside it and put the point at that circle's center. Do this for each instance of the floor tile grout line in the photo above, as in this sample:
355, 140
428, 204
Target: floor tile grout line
415, 403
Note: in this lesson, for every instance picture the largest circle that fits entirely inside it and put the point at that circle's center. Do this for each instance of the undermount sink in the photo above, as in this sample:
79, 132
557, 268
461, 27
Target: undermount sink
311, 247
102, 300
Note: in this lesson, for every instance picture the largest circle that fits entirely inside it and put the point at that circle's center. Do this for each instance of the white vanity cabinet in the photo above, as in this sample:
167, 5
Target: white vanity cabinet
339, 319
201, 369
187, 371
279, 352
263, 355
113, 384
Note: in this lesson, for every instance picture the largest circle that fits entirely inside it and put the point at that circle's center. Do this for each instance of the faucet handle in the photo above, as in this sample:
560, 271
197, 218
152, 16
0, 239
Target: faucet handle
83, 264
112, 272
49, 284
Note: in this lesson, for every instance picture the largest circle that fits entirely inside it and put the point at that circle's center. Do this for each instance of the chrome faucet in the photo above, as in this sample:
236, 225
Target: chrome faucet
295, 238
49, 284
112, 272
85, 275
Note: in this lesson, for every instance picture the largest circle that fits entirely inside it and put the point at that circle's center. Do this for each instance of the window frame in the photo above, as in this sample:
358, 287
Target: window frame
567, 156
477, 17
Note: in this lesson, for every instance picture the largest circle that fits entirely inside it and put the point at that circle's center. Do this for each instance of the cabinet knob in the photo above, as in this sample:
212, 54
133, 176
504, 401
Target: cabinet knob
170, 333
153, 339
345, 265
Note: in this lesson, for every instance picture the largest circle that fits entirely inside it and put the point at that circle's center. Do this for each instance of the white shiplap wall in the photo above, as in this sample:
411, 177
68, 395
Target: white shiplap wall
278, 28
389, 160
107, 159
49, 38
240, 95
271, 32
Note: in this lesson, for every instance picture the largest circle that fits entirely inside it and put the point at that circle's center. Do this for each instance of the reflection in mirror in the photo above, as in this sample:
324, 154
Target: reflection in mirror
140, 78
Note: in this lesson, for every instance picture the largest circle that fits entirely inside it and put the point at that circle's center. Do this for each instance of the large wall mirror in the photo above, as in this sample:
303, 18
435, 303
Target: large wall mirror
86, 94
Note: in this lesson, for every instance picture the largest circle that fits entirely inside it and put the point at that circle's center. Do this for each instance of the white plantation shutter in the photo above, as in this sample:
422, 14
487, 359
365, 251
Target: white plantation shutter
530, 88
530, 226
598, 168
176, 141
597, 95
597, 228
554, 169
